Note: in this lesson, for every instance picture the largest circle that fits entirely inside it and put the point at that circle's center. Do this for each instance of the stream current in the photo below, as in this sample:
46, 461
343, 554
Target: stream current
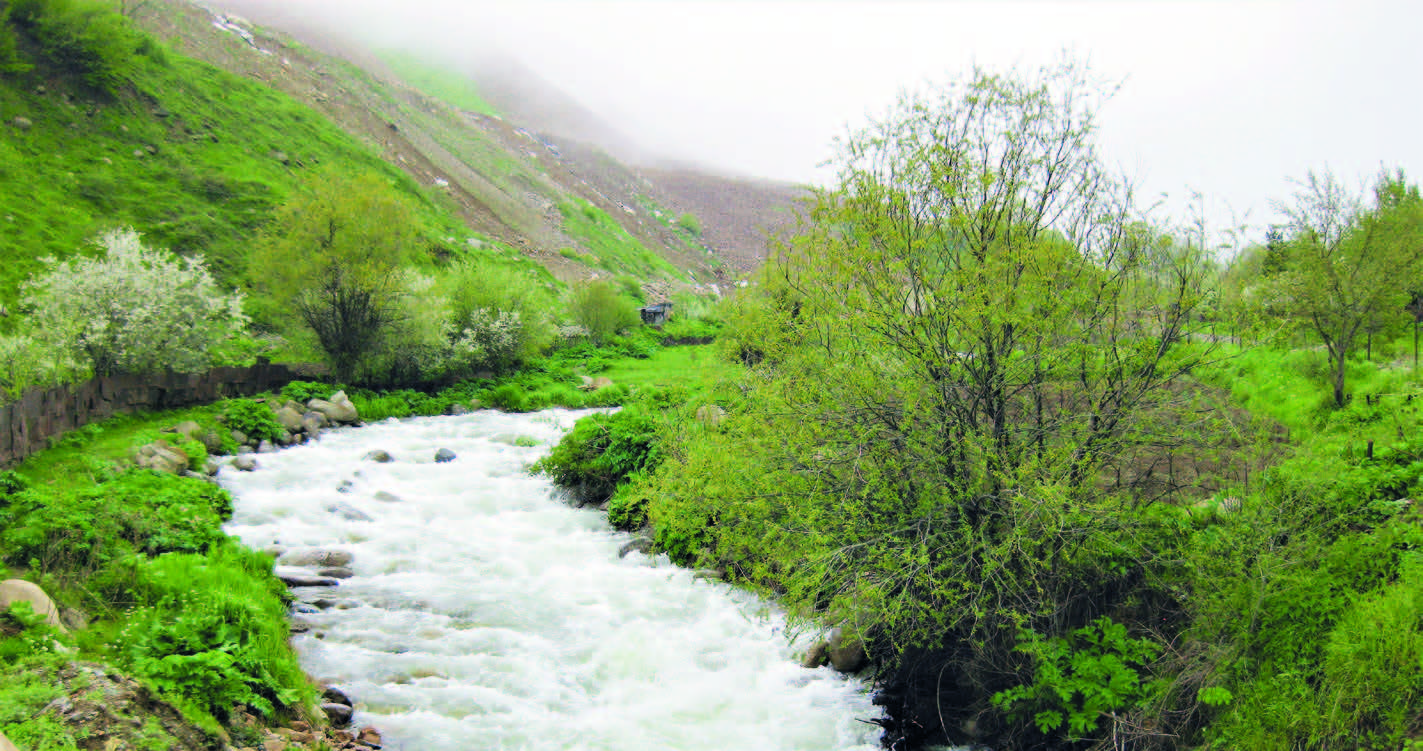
485, 613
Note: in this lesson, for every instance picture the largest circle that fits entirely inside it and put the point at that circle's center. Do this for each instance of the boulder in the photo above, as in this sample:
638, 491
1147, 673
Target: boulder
239, 437
266, 447
312, 423
336, 572
817, 655
316, 557
443, 456
348, 512
22, 123
386, 497
601, 382
847, 654
290, 419
338, 714
302, 579
211, 441
19, 590
163, 457
379, 456
337, 409
189, 429
638, 544
711, 415
244, 463
335, 695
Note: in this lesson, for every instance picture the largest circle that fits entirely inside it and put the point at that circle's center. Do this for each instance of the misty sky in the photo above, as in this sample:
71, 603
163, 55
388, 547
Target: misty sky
1226, 98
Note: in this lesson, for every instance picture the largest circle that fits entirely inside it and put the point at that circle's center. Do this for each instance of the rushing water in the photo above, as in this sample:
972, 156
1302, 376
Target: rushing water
486, 614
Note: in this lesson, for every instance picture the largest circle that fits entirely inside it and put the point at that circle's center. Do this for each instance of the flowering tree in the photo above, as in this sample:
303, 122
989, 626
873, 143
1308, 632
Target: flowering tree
135, 310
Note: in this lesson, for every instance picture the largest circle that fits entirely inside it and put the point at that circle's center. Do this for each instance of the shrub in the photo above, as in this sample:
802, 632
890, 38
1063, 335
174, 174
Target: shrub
212, 632
689, 223
253, 418
28, 363
10, 59
499, 314
601, 452
304, 391
598, 308
139, 511
83, 36
136, 310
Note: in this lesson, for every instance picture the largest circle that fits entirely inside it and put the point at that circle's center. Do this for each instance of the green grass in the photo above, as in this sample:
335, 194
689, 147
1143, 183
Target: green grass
437, 82
615, 249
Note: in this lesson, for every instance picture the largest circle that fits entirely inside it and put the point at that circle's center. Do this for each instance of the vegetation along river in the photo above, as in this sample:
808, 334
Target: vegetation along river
483, 612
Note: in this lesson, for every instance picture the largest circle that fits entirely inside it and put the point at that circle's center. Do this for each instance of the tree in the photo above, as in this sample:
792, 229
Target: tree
597, 307
500, 314
977, 356
336, 252
1347, 267
135, 310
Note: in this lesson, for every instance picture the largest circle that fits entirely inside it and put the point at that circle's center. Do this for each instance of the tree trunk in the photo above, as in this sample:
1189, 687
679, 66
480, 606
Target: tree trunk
1339, 380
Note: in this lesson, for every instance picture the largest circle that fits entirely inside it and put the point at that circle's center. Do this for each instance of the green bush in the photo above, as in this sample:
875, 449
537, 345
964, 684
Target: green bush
598, 308
689, 223
139, 511
252, 418
601, 452
211, 631
86, 37
10, 59
304, 391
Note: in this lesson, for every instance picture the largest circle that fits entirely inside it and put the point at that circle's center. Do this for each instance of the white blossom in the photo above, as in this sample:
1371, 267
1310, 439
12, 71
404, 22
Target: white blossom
135, 310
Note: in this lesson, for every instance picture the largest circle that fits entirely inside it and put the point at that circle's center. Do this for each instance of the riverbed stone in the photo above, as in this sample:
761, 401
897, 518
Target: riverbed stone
19, 590
387, 497
266, 447
161, 456
817, 655
334, 695
379, 456
316, 557
244, 463
348, 512
290, 419
369, 737
336, 572
338, 714
636, 545
847, 653
312, 423
298, 579
444, 456
337, 409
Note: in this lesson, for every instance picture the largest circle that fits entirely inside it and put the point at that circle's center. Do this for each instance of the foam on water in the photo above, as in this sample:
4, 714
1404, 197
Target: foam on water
487, 614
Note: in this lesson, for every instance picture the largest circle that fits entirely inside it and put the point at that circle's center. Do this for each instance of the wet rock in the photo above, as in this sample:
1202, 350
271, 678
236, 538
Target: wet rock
335, 695
337, 409
379, 456
639, 544
244, 463
312, 423
338, 714
299, 579
290, 419
239, 437
817, 655
455, 410
317, 557
305, 608
369, 736
266, 447
847, 654
19, 590
382, 495
348, 512
337, 572
211, 467
444, 456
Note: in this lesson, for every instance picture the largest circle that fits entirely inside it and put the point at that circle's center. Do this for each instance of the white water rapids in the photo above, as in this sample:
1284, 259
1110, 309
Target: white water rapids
485, 613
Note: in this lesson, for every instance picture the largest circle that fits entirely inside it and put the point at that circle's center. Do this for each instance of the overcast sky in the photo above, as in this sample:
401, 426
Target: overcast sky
1228, 98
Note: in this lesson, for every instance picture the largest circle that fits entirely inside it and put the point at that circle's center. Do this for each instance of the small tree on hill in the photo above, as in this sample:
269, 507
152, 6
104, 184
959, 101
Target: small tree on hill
135, 310
1347, 268
336, 253
600, 310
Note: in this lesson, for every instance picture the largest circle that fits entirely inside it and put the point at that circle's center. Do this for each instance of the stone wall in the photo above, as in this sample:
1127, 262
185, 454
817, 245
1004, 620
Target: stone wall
28, 425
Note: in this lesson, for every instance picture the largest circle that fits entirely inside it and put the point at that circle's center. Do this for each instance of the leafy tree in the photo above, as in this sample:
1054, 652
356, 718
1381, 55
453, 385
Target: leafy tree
597, 307
135, 310
967, 358
502, 312
1347, 267
336, 253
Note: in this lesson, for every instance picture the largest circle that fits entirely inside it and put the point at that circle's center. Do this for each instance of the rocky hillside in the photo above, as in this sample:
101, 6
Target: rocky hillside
517, 174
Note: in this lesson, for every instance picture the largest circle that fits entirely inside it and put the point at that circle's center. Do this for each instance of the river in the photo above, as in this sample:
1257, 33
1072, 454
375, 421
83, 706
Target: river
484, 613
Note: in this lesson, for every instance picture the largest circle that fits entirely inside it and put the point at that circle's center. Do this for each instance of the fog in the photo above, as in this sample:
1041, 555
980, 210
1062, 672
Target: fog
1226, 99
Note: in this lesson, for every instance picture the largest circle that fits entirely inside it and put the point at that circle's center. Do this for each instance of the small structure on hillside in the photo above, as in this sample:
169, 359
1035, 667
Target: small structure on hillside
656, 315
